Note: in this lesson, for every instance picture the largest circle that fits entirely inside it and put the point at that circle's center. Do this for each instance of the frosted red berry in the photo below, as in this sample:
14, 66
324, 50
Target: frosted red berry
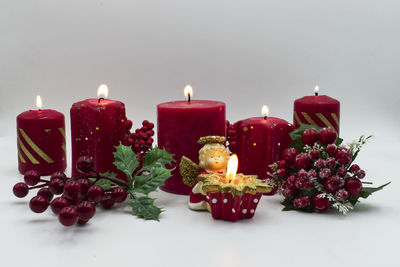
289, 191
292, 179
289, 154
353, 186
20, 190
302, 174
32, 177
354, 168
324, 173
301, 202
58, 204
360, 174
38, 204
303, 161
321, 203
330, 163
327, 136
331, 149
310, 136
86, 210
314, 154
342, 195
332, 184
342, 172
282, 164
68, 216
281, 172
319, 163
343, 156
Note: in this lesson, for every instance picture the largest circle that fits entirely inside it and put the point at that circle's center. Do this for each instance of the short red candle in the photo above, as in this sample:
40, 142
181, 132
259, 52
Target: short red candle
317, 110
96, 127
180, 125
260, 142
41, 141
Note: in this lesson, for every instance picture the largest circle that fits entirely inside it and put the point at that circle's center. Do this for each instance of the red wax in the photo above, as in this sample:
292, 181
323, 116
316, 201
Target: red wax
180, 125
41, 141
96, 127
320, 110
260, 142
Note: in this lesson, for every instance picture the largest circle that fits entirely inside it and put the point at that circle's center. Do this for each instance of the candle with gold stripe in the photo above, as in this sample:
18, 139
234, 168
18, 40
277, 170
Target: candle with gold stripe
41, 140
319, 110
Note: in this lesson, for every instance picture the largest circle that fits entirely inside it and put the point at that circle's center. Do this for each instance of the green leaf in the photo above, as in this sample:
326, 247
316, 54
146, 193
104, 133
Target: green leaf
338, 141
296, 134
156, 158
365, 192
148, 182
144, 207
104, 183
125, 160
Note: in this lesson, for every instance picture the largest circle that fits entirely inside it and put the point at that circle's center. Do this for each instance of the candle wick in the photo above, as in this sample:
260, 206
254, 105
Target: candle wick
100, 98
188, 98
316, 93
265, 117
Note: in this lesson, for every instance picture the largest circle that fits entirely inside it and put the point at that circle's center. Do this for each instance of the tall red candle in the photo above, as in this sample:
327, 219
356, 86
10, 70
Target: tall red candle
318, 110
97, 125
180, 124
41, 141
260, 142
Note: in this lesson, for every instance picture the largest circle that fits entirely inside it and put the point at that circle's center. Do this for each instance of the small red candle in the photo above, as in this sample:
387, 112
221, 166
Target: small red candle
317, 110
41, 140
260, 142
97, 125
180, 126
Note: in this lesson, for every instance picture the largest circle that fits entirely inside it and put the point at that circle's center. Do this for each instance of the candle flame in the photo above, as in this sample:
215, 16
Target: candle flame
232, 168
188, 91
39, 103
265, 110
102, 92
316, 89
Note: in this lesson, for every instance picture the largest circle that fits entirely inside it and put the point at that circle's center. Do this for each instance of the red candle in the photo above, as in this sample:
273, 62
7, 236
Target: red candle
180, 125
318, 110
260, 142
41, 140
97, 125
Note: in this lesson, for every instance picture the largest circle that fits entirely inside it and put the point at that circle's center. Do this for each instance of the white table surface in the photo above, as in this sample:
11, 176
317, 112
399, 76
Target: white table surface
368, 236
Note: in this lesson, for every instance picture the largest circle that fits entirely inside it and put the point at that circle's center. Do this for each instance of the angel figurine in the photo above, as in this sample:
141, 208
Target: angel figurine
213, 158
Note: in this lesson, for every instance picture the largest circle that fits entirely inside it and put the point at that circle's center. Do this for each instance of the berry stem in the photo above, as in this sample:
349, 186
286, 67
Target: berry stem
37, 186
367, 182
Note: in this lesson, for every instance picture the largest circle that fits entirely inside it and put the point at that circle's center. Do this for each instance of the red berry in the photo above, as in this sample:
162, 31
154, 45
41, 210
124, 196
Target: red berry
20, 190
32, 177
85, 184
107, 203
353, 186
289, 154
327, 136
73, 190
332, 184
56, 186
231, 132
319, 163
85, 164
324, 173
38, 204
81, 222
45, 192
314, 154
281, 172
58, 204
149, 142
360, 174
354, 168
343, 156
118, 194
281, 164
303, 161
289, 191
292, 179
342, 172
331, 149
312, 175
150, 133
68, 216
128, 124
145, 123
232, 144
341, 195
310, 136
86, 210
300, 182
321, 203
301, 202
59, 175
330, 163
302, 174
150, 125
129, 141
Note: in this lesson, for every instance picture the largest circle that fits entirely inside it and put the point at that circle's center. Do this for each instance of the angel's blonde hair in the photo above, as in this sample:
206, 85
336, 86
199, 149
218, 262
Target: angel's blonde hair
207, 149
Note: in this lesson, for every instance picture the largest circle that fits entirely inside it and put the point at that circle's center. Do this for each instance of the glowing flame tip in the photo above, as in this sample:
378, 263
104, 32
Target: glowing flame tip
39, 103
316, 89
232, 167
102, 91
265, 110
188, 91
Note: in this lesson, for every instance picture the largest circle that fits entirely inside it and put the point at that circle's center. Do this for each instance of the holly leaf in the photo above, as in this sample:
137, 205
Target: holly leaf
104, 183
288, 205
144, 207
365, 192
338, 141
156, 158
148, 182
296, 134
125, 160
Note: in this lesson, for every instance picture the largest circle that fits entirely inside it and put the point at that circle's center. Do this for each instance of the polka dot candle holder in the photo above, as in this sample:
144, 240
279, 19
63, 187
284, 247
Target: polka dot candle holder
233, 200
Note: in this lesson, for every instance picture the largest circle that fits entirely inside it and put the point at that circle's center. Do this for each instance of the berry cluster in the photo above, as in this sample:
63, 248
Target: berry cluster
141, 140
319, 173
77, 197
231, 136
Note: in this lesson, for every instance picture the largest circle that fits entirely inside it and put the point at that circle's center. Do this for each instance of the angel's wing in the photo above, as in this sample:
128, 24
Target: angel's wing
189, 171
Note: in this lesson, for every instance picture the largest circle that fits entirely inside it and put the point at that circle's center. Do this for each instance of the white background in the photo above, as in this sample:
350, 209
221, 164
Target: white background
245, 53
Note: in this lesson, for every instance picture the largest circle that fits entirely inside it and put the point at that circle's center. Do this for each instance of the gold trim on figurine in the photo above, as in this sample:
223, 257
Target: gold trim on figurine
212, 140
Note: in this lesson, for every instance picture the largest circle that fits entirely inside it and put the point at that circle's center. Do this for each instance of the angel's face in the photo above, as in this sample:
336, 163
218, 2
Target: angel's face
216, 160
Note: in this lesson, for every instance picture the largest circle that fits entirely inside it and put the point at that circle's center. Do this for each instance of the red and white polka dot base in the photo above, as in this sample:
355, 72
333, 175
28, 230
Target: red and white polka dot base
226, 207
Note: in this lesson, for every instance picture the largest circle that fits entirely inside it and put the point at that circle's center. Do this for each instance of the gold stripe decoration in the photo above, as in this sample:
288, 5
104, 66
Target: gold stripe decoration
296, 117
335, 119
63, 148
35, 147
325, 120
62, 132
308, 118
21, 158
27, 153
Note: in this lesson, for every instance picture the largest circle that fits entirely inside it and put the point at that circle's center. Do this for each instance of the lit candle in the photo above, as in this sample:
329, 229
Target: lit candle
260, 142
180, 124
317, 110
41, 140
97, 125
